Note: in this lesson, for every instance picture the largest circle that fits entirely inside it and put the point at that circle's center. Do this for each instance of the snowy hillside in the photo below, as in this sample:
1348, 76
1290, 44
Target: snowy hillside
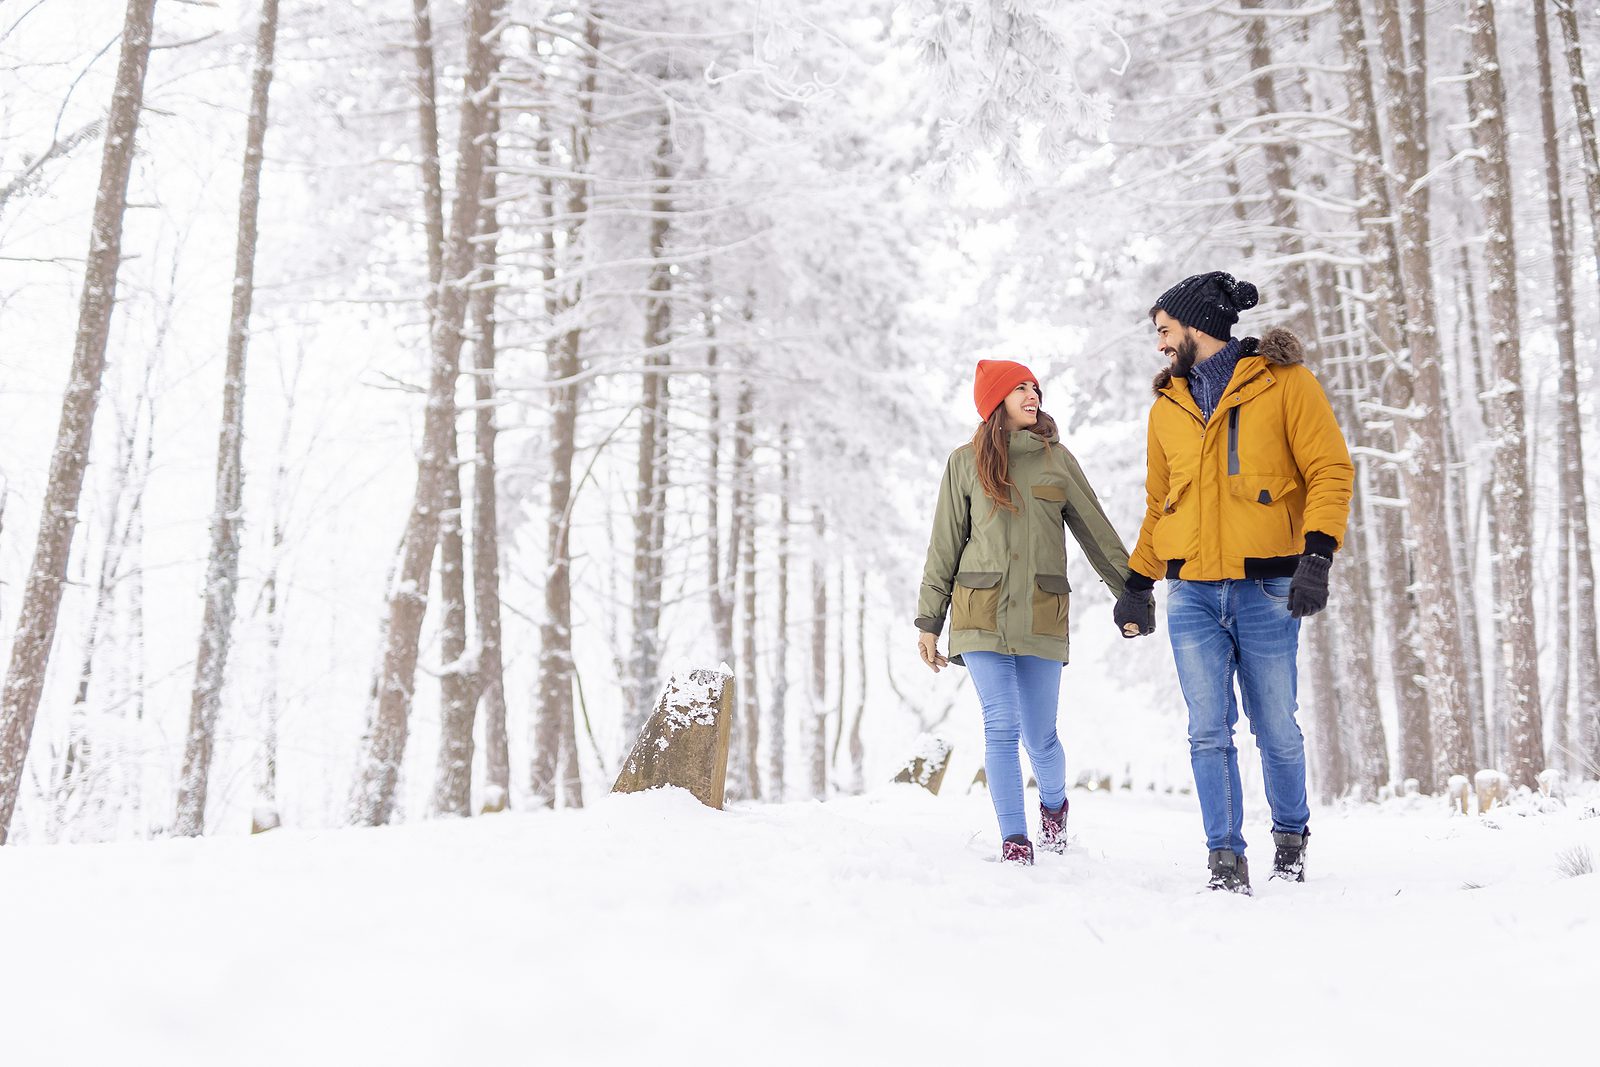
874, 929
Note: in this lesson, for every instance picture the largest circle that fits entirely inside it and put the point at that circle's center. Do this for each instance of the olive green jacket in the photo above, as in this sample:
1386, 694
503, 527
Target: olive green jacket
1003, 574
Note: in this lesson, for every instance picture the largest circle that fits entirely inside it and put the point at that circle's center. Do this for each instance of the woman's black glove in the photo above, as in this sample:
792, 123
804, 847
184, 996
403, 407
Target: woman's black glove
1135, 613
1308, 589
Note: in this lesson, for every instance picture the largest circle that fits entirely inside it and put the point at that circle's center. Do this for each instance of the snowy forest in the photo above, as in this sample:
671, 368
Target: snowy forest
395, 393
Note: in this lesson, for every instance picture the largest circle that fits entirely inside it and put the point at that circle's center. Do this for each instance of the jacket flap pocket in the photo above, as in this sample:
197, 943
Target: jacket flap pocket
1053, 583
1263, 488
1176, 487
978, 579
1050, 492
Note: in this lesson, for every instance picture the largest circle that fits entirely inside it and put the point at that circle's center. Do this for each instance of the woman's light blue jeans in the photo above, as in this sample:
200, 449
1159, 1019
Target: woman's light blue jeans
1019, 695
1239, 627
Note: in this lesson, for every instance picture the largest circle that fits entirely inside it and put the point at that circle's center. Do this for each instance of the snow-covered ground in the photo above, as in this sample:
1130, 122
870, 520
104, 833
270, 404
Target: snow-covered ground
648, 929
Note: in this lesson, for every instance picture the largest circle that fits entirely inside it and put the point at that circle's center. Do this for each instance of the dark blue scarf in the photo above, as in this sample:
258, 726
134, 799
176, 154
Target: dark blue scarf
1209, 378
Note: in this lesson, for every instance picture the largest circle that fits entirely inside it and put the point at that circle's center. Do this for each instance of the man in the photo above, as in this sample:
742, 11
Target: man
1248, 489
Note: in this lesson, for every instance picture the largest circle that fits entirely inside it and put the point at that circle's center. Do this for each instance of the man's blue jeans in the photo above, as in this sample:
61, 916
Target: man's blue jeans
1242, 627
1019, 696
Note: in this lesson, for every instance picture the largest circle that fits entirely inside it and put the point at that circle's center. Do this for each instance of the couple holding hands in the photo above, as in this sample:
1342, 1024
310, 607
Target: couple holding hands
1247, 493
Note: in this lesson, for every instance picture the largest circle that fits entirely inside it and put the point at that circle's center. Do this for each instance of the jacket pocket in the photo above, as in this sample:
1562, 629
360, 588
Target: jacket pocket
1052, 600
1050, 492
1267, 522
1263, 488
975, 601
1174, 534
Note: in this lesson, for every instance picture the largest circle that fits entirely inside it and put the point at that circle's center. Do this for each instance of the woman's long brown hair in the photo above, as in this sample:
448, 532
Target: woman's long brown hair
991, 447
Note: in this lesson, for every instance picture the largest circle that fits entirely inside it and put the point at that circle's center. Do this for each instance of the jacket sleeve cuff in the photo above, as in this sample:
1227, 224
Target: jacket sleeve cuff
1320, 544
930, 625
1140, 583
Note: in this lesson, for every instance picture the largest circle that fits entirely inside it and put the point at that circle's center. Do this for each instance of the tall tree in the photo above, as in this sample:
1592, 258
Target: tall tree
815, 735
648, 513
1569, 446
41, 600
563, 290
1442, 654
485, 495
1512, 490
1381, 271
777, 708
1586, 625
383, 747
222, 570
745, 502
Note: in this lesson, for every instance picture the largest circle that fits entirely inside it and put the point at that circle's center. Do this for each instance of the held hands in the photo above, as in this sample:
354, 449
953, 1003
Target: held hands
928, 649
1135, 613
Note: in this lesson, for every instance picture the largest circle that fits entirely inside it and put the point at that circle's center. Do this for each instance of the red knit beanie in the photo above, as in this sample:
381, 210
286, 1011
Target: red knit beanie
996, 378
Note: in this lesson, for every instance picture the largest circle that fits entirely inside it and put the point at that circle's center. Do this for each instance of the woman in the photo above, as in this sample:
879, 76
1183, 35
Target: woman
998, 560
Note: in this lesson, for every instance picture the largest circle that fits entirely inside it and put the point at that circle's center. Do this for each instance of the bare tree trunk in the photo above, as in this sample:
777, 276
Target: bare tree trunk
777, 713
719, 577
1512, 490
1330, 766
1567, 19
222, 572
41, 601
1442, 655
1569, 433
749, 695
841, 666
1367, 766
648, 529
816, 733
485, 496
452, 787
265, 815
739, 528
1587, 627
857, 753
383, 748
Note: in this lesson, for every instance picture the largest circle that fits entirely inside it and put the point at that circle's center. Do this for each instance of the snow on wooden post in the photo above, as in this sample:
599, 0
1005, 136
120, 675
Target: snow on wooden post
1493, 788
685, 743
1550, 784
927, 764
1459, 788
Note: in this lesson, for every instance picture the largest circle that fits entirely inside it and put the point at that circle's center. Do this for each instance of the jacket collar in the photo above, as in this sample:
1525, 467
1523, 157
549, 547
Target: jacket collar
1024, 441
1278, 347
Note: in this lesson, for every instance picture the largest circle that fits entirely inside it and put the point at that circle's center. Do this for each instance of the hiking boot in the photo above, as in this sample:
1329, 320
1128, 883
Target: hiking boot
1229, 871
1053, 828
1289, 861
1016, 849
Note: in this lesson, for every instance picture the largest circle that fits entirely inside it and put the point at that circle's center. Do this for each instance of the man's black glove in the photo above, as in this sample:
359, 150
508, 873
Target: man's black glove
1308, 590
1135, 613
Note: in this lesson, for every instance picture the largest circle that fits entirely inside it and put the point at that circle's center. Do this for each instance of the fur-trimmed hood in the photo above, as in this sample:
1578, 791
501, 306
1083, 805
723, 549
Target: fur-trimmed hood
1278, 346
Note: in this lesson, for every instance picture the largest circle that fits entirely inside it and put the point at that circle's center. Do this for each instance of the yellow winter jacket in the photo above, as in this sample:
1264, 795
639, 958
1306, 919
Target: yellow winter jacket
1235, 495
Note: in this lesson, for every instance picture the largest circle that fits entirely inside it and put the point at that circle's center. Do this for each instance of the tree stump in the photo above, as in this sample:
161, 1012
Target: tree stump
1493, 787
927, 764
685, 743
264, 818
494, 801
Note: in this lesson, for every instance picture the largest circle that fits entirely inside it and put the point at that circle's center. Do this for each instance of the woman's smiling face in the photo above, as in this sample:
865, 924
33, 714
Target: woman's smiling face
1022, 406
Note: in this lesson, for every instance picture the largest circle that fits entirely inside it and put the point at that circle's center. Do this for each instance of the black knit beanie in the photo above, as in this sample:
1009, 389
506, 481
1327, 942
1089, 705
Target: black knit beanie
1209, 302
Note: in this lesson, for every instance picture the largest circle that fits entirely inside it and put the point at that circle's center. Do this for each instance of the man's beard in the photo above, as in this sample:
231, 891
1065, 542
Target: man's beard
1183, 359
